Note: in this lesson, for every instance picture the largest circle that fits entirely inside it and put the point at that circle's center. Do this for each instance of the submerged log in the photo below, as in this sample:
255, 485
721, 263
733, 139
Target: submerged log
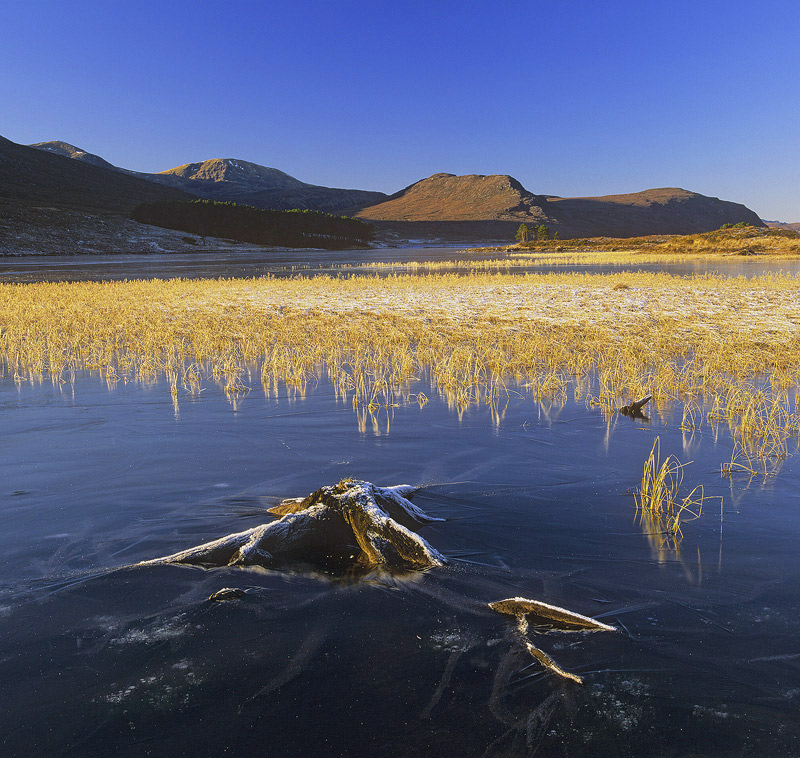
354, 520
634, 409
550, 664
521, 608
562, 619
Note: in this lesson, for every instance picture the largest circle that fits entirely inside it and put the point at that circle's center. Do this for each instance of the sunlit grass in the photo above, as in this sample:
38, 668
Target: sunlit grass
661, 507
762, 243
658, 499
747, 240
727, 349
511, 258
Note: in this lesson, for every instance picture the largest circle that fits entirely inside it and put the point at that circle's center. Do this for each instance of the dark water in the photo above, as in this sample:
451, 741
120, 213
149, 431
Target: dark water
102, 660
304, 263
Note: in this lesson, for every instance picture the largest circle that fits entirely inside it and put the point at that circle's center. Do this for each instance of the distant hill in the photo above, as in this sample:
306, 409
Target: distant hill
238, 181
667, 210
792, 226
446, 197
501, 198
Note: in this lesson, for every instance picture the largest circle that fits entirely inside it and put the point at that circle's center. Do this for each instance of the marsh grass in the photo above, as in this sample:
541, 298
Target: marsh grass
726, 348
742, 461
659, 505
613, 251
512, 258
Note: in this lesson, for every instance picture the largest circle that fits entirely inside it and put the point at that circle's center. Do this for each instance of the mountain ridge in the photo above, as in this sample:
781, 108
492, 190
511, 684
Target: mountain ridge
236, 171
660, 210
500, 197
235, 180
57, 147
444, 207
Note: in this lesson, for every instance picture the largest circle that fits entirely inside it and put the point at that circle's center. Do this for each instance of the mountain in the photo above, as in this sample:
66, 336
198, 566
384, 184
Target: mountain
446, 198
251, 184
236, 180
231, 175
70, 151
52, 203
57, 197
35, 176
666, 210
793, 226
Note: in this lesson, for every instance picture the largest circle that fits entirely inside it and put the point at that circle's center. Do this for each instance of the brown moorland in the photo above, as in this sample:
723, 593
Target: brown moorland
446, 197
666, 210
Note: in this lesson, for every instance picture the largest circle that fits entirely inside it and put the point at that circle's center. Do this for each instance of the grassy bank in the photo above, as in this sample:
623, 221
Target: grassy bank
728, 349
743, 241
748, 240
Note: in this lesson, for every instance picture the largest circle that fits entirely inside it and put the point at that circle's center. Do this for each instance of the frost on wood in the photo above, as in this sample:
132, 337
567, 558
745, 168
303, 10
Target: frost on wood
521, 608
351, 520
558, 618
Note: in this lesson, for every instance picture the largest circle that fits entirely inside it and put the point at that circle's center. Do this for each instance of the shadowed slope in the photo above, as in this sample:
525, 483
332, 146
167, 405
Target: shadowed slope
30, 176
667, 210
70, 151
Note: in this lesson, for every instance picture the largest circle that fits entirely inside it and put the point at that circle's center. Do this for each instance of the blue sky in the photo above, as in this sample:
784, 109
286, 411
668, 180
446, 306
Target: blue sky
570, 97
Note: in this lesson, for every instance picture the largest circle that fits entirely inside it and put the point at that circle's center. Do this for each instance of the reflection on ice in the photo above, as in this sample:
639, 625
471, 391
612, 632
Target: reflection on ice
114, 661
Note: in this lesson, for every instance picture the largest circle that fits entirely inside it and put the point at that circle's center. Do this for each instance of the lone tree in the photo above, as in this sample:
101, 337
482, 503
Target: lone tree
522, 233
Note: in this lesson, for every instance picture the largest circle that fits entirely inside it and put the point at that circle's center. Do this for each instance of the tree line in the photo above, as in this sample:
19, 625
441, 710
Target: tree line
244, 223
541, 232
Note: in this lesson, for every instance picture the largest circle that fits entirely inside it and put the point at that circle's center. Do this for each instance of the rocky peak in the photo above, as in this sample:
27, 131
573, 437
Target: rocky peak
236, 171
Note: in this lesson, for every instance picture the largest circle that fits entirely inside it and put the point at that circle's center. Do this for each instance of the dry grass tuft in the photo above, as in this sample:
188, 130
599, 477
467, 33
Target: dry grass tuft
661, 509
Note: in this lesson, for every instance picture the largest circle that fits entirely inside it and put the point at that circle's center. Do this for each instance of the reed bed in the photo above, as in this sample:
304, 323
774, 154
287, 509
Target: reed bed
726, 348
